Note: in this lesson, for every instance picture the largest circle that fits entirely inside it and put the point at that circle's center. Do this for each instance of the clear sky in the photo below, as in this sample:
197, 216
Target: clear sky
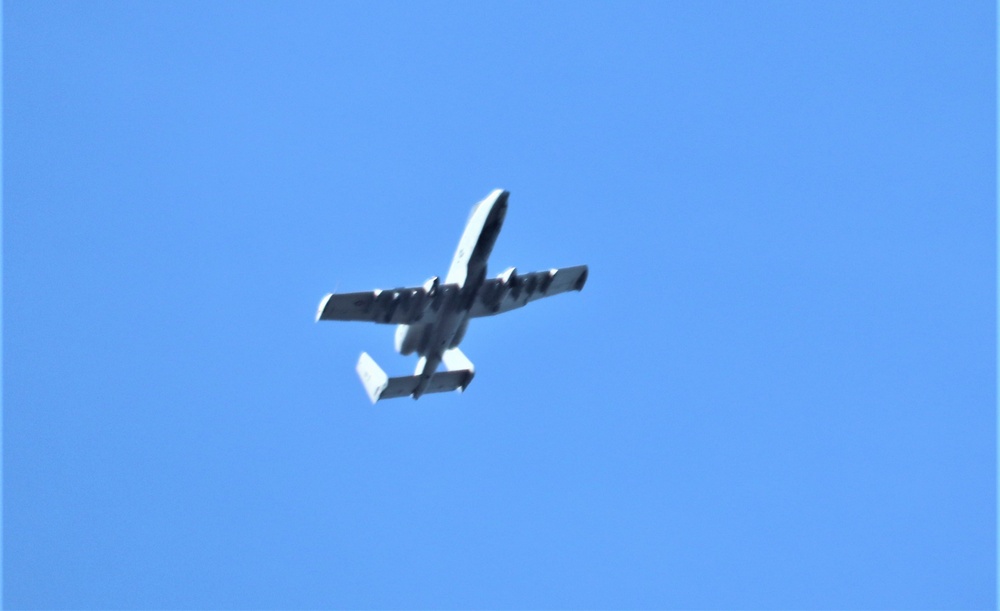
777, 389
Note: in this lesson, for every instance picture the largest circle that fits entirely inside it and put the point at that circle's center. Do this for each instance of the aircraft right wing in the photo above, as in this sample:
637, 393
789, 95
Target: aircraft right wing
402, 306
510, 291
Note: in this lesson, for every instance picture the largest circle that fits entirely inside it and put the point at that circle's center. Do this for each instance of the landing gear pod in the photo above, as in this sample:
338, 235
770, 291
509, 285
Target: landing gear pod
431, 286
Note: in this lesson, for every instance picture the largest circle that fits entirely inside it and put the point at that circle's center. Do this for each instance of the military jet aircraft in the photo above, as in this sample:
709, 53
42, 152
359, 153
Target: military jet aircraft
433, 318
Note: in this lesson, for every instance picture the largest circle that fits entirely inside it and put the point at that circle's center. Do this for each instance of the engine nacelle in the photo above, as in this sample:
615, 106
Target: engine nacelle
411, 338
400, 342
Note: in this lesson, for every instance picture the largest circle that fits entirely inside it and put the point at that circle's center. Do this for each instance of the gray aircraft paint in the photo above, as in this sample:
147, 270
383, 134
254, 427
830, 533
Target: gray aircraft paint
433, 318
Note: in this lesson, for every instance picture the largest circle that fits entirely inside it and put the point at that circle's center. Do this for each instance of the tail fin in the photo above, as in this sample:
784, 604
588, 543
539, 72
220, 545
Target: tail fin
372, 376
455, 360
380, 386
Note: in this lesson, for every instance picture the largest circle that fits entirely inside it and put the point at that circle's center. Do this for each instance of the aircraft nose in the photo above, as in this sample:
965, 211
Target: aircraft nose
500, 204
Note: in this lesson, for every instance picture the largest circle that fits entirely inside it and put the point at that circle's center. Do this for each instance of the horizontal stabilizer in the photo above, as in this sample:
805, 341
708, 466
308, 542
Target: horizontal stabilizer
380, 386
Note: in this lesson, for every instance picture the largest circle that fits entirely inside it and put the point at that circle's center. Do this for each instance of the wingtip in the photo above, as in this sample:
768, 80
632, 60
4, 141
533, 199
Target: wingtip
322, 306
583, 279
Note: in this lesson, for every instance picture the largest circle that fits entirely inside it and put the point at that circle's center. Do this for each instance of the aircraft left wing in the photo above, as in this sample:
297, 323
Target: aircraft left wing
510, 291
402, 306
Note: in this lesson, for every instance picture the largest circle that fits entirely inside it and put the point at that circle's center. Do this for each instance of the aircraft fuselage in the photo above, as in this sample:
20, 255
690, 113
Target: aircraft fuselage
468, 270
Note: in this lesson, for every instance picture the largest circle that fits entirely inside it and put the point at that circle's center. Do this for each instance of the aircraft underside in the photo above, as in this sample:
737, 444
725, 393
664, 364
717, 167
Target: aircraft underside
433, 318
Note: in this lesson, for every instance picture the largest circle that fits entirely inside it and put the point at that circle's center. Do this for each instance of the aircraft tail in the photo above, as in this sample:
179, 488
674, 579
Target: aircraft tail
380, 386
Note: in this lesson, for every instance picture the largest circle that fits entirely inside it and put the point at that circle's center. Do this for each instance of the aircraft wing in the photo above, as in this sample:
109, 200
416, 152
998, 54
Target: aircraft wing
403, 306
511, 290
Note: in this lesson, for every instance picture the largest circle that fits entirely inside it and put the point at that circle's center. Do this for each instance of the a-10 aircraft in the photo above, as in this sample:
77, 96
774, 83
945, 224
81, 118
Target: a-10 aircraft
433, 318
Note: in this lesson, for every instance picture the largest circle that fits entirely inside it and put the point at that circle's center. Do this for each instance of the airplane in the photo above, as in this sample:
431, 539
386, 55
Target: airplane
432, 319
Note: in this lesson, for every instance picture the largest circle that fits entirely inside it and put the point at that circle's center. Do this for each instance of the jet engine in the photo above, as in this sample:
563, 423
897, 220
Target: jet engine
408, 337
403, 346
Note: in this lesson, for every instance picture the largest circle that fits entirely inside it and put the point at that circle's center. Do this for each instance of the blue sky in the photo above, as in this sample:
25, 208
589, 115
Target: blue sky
777, 389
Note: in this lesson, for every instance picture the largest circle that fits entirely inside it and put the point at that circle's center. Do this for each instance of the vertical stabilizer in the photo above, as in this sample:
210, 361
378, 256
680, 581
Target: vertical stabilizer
459, 366
372, 376
455, 360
